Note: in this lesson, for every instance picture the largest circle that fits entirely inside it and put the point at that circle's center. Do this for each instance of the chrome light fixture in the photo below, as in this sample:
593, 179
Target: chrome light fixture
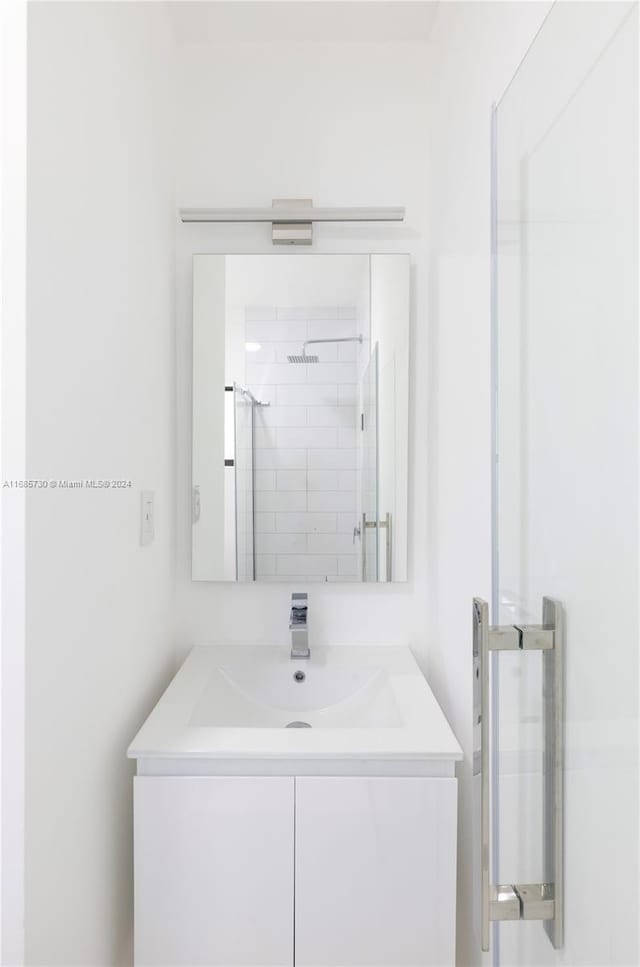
292, 218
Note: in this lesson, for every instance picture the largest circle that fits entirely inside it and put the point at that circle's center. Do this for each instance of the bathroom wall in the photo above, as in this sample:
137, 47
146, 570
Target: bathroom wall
346, 131
13, 204
397, 115
100, 404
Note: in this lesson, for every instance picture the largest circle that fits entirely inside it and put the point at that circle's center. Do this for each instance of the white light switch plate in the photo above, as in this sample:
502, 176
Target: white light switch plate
147, 517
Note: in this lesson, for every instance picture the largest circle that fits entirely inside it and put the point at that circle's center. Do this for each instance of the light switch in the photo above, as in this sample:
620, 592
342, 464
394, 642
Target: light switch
147, 517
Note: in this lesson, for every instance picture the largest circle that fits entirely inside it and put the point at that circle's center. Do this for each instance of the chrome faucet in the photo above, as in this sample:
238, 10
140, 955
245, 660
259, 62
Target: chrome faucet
298, 626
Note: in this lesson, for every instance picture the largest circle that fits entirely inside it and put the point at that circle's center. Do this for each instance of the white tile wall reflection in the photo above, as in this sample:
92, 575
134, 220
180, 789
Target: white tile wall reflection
305, 457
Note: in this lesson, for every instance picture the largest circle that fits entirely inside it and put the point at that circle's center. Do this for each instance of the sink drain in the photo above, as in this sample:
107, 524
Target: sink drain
297, 725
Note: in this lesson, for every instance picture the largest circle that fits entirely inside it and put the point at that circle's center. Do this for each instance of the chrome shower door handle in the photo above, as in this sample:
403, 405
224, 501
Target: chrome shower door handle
377, 525
388, 546
528, 901
481, 752
363, 545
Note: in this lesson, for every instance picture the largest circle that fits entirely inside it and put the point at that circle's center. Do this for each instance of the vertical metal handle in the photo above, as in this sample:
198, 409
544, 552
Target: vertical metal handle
388, 545
481, 753
553, 698
378, 525
363, 539
524, 901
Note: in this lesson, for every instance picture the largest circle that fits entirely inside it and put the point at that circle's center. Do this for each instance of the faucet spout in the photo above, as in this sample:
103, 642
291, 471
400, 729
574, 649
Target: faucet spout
298, 626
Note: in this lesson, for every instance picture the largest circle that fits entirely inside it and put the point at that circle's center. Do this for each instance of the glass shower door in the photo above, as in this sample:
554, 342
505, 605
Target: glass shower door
566, 476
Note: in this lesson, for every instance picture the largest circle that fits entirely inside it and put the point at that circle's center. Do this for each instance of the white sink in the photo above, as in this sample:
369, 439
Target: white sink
271, 691
242, 702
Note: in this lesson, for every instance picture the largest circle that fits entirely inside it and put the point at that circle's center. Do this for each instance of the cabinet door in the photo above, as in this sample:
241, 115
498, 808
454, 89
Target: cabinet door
375, 872
214, 871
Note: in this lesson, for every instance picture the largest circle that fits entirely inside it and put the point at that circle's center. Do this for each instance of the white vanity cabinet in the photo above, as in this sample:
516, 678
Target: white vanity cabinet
375, 871
258, 845
312, 871
213, 859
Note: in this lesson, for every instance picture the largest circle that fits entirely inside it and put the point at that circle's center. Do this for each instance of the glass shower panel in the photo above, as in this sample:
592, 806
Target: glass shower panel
244, 409
368, 469
566, 482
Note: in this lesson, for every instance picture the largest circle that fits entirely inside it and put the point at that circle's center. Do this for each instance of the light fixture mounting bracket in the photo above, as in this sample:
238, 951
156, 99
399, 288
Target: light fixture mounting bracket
287, 232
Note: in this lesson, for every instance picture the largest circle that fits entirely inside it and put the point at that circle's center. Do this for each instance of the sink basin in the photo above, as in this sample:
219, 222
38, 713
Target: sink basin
272, 691
250, 702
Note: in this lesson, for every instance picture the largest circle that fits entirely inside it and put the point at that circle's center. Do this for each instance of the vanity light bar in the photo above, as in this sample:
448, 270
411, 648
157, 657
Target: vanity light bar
294, 215
292, 218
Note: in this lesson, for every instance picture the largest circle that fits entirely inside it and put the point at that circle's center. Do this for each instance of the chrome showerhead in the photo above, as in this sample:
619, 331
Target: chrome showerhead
302, 358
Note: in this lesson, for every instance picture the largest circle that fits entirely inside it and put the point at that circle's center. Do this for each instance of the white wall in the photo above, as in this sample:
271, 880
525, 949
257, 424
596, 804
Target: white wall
344, 124
13, 208
100, 404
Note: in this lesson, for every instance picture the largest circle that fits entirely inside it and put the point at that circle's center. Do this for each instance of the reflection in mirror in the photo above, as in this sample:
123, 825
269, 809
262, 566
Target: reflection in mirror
300, 417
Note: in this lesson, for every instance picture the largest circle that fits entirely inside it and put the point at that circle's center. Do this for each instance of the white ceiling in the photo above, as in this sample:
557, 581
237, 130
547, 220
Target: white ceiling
301, 21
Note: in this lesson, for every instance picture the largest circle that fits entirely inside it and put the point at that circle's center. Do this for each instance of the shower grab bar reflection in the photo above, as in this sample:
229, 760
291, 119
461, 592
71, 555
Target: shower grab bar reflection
530, 901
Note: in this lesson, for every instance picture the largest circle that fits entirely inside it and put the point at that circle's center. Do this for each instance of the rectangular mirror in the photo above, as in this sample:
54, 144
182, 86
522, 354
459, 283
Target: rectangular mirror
300, 417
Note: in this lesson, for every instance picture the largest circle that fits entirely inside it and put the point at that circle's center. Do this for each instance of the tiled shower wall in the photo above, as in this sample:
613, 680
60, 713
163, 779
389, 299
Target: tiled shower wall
306, 455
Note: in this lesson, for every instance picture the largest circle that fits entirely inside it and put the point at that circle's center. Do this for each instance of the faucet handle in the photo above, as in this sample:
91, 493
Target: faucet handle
298, 625
299, 609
